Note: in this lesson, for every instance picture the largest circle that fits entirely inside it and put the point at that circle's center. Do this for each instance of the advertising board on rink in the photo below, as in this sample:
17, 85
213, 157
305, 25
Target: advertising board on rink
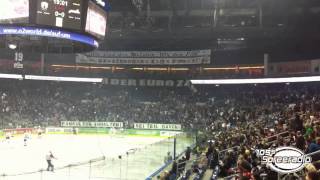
304, 67
289, 68
176, 127
91, 124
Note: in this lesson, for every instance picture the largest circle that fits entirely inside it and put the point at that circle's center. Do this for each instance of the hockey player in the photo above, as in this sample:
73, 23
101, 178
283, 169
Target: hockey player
74, 131
39, 132
49, 158
25, 138
8, 137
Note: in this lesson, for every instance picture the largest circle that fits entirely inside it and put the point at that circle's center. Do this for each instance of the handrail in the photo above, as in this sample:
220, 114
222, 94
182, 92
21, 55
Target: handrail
231, 176
228, 149
313, 153
276, 135
270, 142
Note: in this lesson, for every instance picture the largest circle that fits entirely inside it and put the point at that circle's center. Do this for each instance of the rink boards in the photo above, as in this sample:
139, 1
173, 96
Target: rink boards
123, 132
95, 131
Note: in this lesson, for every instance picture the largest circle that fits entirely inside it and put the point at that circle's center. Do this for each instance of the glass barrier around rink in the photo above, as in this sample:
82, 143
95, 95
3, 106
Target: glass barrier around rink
135, 164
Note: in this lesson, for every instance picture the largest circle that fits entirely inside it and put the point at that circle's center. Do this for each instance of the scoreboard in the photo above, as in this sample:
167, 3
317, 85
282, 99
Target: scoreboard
60, 13
96, 22
84, 16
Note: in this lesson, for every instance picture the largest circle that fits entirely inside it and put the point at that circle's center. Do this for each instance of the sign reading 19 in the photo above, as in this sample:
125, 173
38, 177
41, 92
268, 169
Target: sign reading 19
61, 2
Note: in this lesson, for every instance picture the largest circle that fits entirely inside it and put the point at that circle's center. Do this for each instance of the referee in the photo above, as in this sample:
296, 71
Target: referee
49, 157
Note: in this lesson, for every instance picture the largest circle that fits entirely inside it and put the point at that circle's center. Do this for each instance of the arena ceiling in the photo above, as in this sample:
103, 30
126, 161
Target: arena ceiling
239, 31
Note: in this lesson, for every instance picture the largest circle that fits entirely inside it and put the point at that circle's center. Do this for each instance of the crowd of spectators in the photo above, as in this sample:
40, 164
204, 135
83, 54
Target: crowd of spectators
28, 104
237, 118
260, 118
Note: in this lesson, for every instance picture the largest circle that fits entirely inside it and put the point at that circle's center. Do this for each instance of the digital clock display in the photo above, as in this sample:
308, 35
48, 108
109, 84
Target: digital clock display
61, 2
60, 13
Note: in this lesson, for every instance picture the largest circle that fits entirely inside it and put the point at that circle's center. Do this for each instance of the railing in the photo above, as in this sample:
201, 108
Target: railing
225, 150
274, 137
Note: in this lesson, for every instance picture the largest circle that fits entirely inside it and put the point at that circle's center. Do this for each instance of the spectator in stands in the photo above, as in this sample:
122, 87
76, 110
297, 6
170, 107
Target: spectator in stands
168, 158
164, 176
298, 123
226, 165
300, 141
203, 161
188, 153
174, 170
244, 168
313, 146
313, 175
182, 164
311, 172
214, 161
210, 149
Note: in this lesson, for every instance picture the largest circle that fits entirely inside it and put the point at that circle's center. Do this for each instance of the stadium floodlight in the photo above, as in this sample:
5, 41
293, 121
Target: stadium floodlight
12, 46
11, 76
258, 80
69, 79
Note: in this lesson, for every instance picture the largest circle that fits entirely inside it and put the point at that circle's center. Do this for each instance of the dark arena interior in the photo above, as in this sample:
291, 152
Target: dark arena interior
159, 89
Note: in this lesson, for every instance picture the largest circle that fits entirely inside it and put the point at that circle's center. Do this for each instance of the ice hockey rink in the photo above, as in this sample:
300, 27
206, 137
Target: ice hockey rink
140, 156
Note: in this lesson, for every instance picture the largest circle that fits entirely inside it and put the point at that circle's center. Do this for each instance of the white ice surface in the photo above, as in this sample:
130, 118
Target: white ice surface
69, 149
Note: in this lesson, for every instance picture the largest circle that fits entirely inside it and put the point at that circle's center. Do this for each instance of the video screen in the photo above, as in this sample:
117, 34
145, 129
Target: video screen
60, 13
96, 23
14, 11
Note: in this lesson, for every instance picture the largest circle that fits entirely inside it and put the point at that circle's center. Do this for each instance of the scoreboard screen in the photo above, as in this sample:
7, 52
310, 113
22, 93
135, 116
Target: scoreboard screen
14, 11
60, 13
96, 22
83, 16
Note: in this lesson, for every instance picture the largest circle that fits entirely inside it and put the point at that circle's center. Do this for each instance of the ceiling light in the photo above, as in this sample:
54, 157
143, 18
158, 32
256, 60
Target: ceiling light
258, 80
12, 46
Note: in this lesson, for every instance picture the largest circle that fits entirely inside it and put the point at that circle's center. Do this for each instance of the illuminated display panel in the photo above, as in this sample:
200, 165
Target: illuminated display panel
60, 13
14, 11
44, 32
96, 22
